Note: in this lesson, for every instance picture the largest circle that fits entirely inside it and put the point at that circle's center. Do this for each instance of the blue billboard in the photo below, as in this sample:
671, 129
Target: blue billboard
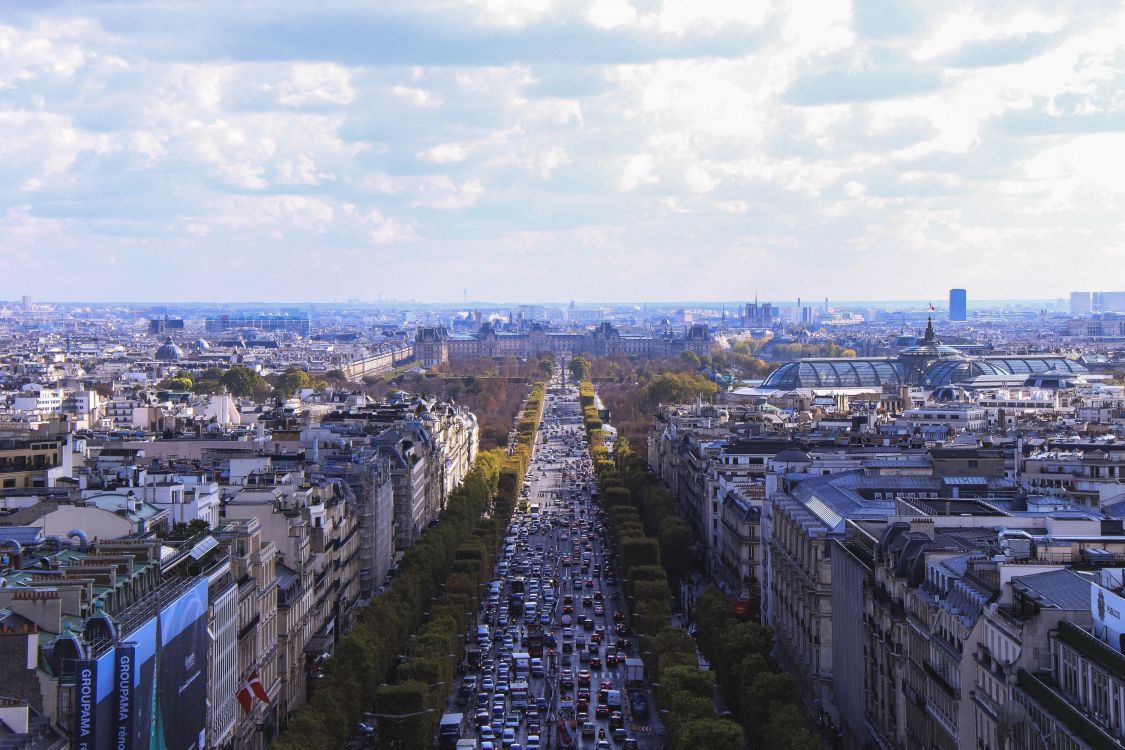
94, 702
149, 691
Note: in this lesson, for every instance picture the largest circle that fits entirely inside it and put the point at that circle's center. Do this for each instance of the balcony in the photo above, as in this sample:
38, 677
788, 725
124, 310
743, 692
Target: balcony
1092, 648
939, 680
1069, 715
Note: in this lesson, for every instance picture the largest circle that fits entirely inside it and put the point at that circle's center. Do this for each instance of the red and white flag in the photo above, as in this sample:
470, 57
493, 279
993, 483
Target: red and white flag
258, 688
245, 697
250, 689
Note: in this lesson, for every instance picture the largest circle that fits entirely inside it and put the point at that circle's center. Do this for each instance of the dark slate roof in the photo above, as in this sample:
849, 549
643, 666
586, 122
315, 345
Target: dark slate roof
1056, 589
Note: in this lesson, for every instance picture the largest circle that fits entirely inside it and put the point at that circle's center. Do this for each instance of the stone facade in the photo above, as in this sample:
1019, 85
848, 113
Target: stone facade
434, 345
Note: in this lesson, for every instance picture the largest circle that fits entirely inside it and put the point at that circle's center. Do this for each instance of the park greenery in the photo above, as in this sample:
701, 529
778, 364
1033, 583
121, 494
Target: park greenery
244, 382
400, 658
654, 549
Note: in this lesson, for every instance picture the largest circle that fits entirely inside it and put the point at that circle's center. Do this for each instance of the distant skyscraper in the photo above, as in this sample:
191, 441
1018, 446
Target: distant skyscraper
25, 303
1080, 303
1112, 302
957, 304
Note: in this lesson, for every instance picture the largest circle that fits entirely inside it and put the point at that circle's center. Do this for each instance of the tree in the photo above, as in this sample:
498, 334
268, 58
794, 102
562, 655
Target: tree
786, 728
181, 382
336, 376
676, 540
713, 734
547, 367
579, 367
187, 530
690, 357
616, 496
764, 689
636, 552
292, 381
676, 388
244, 382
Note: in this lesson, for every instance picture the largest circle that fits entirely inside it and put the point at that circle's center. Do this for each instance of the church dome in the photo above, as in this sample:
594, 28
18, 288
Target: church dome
169, 352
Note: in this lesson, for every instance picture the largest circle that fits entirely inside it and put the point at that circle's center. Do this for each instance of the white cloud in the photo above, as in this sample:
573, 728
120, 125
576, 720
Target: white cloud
443, 193
418, 97
609, 14
639, 170
317, 84
444, 153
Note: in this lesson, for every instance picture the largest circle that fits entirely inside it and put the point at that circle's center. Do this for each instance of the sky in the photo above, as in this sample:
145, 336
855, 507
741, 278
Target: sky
588, 150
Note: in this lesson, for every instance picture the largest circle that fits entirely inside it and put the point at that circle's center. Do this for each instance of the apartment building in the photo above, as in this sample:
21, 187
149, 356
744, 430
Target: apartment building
254, 568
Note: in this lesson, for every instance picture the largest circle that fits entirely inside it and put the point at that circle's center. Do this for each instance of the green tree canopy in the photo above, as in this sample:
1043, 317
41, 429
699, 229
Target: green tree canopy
244, 382
579, 367
677, 388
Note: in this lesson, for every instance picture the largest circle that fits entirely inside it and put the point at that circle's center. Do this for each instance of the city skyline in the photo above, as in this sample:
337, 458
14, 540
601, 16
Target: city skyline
938, 304
328, 151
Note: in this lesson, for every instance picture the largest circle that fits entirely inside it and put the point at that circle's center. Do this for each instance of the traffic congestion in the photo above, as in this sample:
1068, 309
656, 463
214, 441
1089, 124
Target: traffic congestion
552, 663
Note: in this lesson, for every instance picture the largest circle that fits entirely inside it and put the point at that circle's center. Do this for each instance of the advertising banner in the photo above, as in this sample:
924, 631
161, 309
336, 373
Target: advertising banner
1108, 610
125, 686
181, 710
85, 705
149, 691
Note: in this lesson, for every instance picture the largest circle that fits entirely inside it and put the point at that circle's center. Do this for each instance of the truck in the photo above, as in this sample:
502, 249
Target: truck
449, 730
521, 664
534, 640
520, 696
634, 671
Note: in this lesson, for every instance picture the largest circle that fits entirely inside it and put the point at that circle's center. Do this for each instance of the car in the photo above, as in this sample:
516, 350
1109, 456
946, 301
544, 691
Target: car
618, 616
619, 734
621, 629
589, 729
533, 742
508, 738
616, 719
595, 662
630, 744
602, 711
602, 745
638, 705
589, 583
584, 677
566, 619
